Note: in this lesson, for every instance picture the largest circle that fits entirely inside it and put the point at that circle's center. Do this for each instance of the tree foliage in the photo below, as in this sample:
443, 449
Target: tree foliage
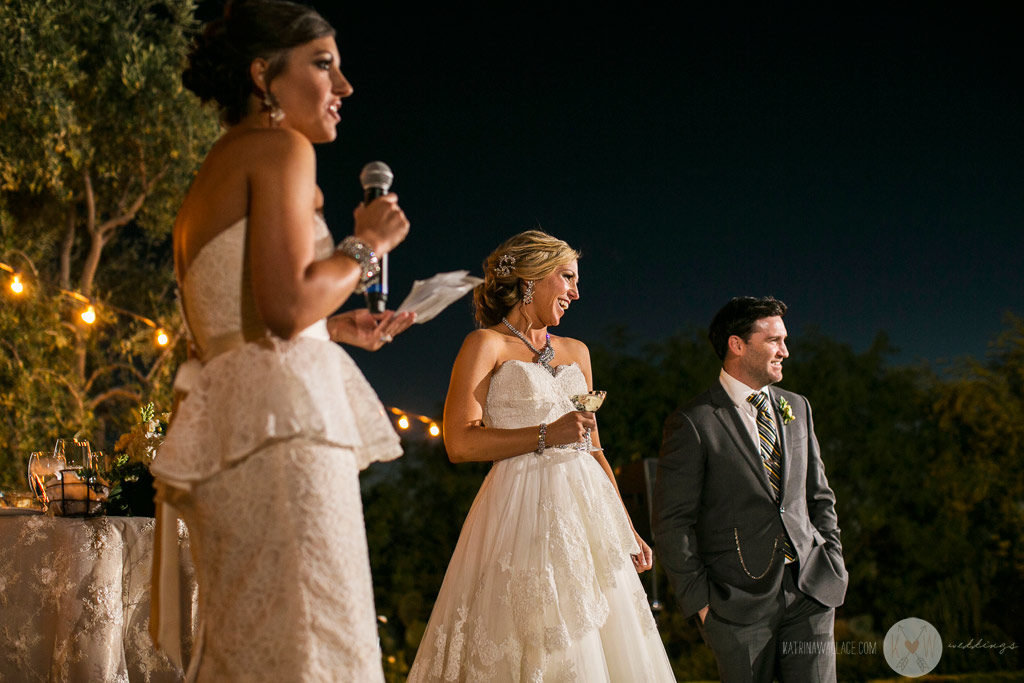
98, 141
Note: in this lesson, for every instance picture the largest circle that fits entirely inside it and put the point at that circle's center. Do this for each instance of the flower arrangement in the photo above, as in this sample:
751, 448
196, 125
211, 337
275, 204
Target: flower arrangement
140, 444
131, 492
786, 410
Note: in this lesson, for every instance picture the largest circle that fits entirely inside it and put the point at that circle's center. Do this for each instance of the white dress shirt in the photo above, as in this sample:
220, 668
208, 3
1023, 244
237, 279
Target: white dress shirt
738, 392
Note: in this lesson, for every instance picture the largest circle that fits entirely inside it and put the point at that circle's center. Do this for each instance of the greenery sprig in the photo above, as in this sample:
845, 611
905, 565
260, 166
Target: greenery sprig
786, 410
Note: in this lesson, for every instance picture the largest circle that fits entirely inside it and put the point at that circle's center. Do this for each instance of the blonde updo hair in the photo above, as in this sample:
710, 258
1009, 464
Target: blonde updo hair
536, 255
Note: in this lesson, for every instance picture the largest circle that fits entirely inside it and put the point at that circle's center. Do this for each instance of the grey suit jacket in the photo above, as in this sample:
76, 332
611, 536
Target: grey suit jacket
717, 528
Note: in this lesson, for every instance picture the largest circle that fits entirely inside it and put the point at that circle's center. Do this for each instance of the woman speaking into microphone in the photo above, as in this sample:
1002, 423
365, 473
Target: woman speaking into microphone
274, 420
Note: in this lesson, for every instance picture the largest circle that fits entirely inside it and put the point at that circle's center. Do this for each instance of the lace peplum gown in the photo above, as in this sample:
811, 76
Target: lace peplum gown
541, 586
262, 461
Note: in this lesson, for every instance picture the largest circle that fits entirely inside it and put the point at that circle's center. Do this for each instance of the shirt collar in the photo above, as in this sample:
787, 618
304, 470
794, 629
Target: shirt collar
738, 391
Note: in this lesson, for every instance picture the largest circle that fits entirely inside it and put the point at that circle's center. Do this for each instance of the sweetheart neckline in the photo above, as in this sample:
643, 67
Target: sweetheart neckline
558, 368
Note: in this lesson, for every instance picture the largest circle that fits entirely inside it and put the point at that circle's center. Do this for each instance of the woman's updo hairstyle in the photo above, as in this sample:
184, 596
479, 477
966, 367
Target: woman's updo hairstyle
530, 255
218, 67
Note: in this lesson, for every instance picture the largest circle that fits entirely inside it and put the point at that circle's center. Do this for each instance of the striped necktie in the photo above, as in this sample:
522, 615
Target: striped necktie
771, 455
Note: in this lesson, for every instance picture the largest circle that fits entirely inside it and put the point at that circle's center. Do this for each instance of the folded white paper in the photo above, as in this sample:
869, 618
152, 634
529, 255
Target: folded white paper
431, 296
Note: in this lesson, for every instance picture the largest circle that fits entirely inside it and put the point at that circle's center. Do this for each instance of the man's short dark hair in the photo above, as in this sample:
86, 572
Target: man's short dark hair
738, 317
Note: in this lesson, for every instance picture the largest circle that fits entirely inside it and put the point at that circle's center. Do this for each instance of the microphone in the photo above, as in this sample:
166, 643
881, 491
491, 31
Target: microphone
376, 179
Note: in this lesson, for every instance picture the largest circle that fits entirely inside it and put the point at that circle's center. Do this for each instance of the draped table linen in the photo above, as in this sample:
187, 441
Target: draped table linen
75, 600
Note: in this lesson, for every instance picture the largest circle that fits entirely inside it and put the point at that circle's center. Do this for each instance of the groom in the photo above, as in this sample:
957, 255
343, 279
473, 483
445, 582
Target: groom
744, 519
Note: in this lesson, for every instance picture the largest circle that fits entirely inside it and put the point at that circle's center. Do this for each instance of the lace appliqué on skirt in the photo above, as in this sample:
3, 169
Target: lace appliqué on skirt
545, 544
540, 586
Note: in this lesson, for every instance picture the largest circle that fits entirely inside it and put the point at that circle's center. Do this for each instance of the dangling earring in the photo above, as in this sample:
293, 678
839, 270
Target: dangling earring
528, 292
273, 110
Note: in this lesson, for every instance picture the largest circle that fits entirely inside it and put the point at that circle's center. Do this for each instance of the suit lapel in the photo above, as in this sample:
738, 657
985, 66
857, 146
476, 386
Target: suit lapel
729, 415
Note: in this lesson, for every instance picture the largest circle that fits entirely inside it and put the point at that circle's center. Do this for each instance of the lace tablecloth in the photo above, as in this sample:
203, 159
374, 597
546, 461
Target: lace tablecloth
74, 600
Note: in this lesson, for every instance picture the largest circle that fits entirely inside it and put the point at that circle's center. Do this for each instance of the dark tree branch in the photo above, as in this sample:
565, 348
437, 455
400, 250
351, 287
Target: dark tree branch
128, 214
90, 203
66, 247
25, 258
115, 392
61, 379
14, 352
107, 369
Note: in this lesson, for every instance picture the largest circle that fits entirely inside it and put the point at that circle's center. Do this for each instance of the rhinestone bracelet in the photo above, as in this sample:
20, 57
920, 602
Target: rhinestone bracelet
360, 252
542, 433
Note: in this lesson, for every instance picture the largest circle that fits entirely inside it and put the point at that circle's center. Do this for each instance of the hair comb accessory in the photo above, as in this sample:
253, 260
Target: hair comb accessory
505, 265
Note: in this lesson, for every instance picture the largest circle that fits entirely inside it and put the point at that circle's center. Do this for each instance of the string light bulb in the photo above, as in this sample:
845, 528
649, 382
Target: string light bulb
161, 338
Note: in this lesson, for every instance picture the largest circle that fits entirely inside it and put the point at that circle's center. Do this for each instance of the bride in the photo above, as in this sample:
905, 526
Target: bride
543, 583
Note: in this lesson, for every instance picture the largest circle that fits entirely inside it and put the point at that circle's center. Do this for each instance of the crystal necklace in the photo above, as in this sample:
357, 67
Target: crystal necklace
545, 355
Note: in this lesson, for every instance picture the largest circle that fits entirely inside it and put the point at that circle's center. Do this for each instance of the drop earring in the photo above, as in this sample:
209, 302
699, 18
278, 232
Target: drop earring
271, 107
528, 292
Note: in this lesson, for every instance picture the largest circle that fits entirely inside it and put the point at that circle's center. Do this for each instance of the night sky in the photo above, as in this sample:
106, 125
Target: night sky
867, 168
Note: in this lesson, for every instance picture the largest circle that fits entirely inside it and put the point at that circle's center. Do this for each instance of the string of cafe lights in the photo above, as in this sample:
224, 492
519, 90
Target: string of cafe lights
404, 419
88, 312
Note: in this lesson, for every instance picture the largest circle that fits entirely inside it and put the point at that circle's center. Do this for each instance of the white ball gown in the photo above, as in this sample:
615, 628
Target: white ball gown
262, 461
541, 586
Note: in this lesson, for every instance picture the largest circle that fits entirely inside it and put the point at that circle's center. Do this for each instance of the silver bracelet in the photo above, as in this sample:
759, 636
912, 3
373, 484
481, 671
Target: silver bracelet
542, 433
360, 252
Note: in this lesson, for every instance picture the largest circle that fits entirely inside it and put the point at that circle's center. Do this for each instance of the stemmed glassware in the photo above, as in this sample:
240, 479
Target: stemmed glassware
79, 490
102, 462
42, 467
588, 402
77, 454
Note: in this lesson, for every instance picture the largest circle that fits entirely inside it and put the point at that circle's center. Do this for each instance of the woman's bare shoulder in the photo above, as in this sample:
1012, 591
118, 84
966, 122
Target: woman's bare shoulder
482, 340
221, 192
484, 347
574, 349
263, 146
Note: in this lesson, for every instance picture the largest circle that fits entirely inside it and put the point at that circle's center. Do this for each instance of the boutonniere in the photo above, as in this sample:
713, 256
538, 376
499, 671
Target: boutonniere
786, 411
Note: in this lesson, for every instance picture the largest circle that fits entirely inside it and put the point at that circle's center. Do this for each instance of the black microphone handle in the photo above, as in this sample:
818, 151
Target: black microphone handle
377, 289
